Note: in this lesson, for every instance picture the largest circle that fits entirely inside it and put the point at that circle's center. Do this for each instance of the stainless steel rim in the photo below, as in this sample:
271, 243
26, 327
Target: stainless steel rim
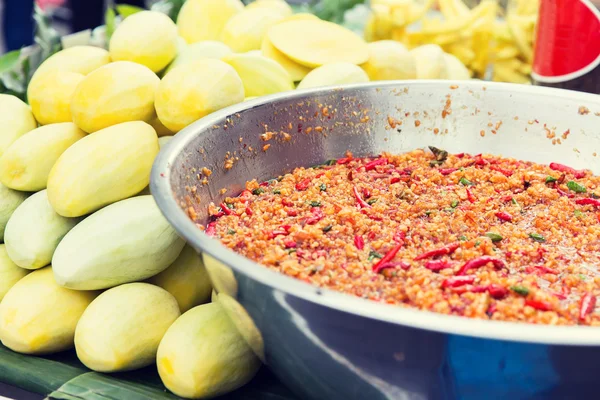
521, 332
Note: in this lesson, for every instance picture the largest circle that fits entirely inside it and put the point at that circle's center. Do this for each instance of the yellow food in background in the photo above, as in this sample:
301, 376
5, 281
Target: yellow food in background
186, 279
296, 71
9, 201
147, 37
79, 59
455, 69
389, 60
313, 43
103, 168
430, 62
37, 316
203, 355
10, 273
260, 75
200, 50
245, 31
121, 91
34, 231
159, 128
333, 74
204, 19
195, 89
124, 242
122, 328
26, 164
280, 6
16, 119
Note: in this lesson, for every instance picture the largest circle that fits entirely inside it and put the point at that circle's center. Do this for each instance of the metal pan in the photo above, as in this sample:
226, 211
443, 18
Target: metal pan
328, 345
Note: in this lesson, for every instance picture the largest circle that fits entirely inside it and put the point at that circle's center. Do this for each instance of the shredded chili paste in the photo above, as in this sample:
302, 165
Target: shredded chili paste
478, 236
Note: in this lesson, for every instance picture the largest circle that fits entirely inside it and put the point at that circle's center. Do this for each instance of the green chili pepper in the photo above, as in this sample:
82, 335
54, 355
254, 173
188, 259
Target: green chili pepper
537, 237
373, 254
462, 238
576, 187
327, 228
454, 204
495, 237
550, 179
464, 181
315, 203
231, 232
477, 243
258, 191
276, 191
522, 290
578, 214
371, 201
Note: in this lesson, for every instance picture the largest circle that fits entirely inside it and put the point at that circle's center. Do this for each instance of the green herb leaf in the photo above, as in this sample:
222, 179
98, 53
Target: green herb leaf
125, 10
372, 201
276, 191
315, 203
327, 228
231, 232
576, 187
258, 191
9, 60
454, 204
323, 187
537, 237
465, 182
373, 254
522, 290
110, 17
495, 237
429, 212
462, 238
477, 243
550, 179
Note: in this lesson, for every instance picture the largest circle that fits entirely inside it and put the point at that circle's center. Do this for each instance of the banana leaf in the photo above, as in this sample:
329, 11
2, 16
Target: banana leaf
63, 377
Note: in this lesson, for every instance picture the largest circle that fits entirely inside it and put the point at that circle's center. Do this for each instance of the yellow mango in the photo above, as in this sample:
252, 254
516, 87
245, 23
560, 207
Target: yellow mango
186, 279
260, 75
280, 6
204, 19
203, 355
122, 328
296, 71
389, 60
214, 297
34, 231
79, 59
16, 119
118, 92
39, 317
312, 42
102, 168
10, 273
200, 50
9, 201
160, 129
245, 31
334, 74
26, 164
147, 37
195, 89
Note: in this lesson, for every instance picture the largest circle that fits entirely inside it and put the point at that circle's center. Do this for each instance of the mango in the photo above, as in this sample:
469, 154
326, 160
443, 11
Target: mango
186, 279
10, 273
334, 74
16, 119
39, 317
102, 168
280, 6
455, 69
122, 328
245, 31
34, 231
203, 355
159, 128
430, 62
119, 92
296, 71
79, 59
214, 297
147, 37
195, 89
9, 201
389, 60
204, 19
260, 75
26, 164
125, 242
199, 51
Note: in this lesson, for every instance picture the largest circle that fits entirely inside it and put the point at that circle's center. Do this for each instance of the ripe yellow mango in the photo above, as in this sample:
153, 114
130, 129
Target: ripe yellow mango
186, 279
296, 71
204, 19
124, 242
26, 164
280, 6
195, 89
260, 75
147, 37
39, 317
203, 355
16, 119
200, 50
102, 168
245, 31
10, 273
160, 129
121, 91
79, 59
122, 328
34, 231
389, 60
334, 74
9, 201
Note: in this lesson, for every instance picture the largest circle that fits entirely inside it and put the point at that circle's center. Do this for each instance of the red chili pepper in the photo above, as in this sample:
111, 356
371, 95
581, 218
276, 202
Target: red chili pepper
541, 269
389, 256
211, 229
564, 168
218, 215
264, 184
289, 243
372, 164
350, 176
491, 309
291, 212
460, 155
394, 179
503, 171
399, 236
480, 161
470, 196
286, 202
539, 304
506, 198
366, 193
317, 216
303, 184
359, 242
563, 193
504, 216
274, 234
437, 265
588, 201
449, 249
361, 202
320, 174
226, 209
588, 303
245, 193
400, 264
457, 281
497, 291
371, 235
344, 160
448, 171
248, 211
480, 262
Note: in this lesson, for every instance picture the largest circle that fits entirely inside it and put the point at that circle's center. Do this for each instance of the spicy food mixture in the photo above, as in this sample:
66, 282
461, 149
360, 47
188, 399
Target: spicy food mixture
472, 235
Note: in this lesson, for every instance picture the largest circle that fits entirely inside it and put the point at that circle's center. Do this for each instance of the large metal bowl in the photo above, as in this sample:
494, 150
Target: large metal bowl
328, 345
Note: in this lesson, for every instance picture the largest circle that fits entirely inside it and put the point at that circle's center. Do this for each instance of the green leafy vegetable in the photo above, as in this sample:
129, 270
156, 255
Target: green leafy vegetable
9, 60
125, 10
550, 179
576, 187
